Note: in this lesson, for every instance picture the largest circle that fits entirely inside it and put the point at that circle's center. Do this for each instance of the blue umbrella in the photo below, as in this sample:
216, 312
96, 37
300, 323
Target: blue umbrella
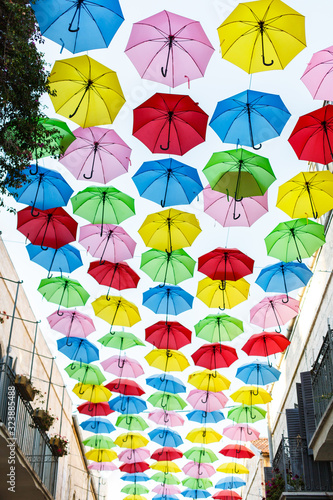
249, 118
166, 383
44, 190
135, 478
229, 482
167, 300
98, 425
165, 497
61, 260
165, 437
79, 25
167, 182
78, 349
128, 405
258, 373
196, 493
205, 417
283, 277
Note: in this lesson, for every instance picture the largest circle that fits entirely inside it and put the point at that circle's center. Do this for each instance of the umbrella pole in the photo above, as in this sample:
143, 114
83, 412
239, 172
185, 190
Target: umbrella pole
77, 10
267, 355
285, 284
169, 235
114, 316
37, 190
262, 28
101, 261
299, 257
276, 317
52, 261
103, 206
222, 287
113, 275
314, 212
170, 113
47, 225
237, 186
166, 417
62, 296
171, 39
89, 83
93, 162
250, 127
166, 268
166, 189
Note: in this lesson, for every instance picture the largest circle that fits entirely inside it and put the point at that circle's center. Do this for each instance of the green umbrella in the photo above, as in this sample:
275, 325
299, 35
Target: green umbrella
58, 137
167, 401
85, 373
63, 291
103, 205
135, 489
165, 478
197, 483
218, 328
120, 340
99, 441
167, 267
295, 239
131, 423
201, 455
246, 414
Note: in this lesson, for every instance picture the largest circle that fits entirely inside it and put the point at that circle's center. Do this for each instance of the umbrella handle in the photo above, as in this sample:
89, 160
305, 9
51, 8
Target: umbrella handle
93, 163
261, 26
164, 72
236, 470
36, 172
234, 212
122, 364
260, 145
32, 212
101, 261
166, 417
166, 190
92, 409
130, 457
68, 344
84, 93
170, 113
276, 317
204, 401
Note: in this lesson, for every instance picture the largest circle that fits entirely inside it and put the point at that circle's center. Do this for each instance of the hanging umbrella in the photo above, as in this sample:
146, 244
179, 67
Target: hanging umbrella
102, 466
205, 417
318, 75
169, 230
94, 409
168, 334
245, 414
167, 360
221, 207
116, 311
240, 432
225, 264
52, 228
126, 387
135, 496
170, 122
308, 194
62, 260
99, 441
115, 245
265, 344
63, 291
236, 451
86, 90
134, 489
168, 48
164, 466
274, 311
92, 393
131, 423
122, 366
134, 467
222, 294
218, 327
198, 469
196, 494
167, 267
166, 490
227, 495
137, 455
97, 425
165, 478
206, 401
167, 383
134, 478
71, 323
167, 300
207, 380
233, 468
57, 136
120, 340
251, 395
248, 119
166, 401
258, 373
101, 455
97, 155
213, 356
165, 437
131, 440
167, 182
168, 418
197, 483
117, 275
204, 435
166, 454
85, 373
230, 482
128, 404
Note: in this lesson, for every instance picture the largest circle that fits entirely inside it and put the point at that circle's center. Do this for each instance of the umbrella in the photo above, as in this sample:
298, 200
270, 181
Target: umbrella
101, 455
274, 311
52, 228
222, 294
221, 207
166, 401
167, 182
92, 393
167, 360
131, 423
258, 373
240, 432
246, 414
206, 401
122, 366
198, 469
69, 23
128, 404
86, 90
308, 194
97, 154
236, 451
248, 119
166, 454
131, 440
196, 493
207, 380
168, 335
120, 340
134, 496
205, 417
134, 467
167, 267
115, 245
94, 409
170, 122
71, 323
233, 468
134, 478
204, 435
165, 437
116, 311
102, 466
197, 483
169, 230
167, 383
225, 264
213, 356
85, 373
134, 489
218, 327
283, 277
165, 467
126, 387
168, 48
63, 291
57, 136
117, 275
230, 482
167, 300
251, 395
99, 441
227, 495
62, 260
166, 490
97, 425
265, 344
168, 418
318, 75
137, 455
165, 478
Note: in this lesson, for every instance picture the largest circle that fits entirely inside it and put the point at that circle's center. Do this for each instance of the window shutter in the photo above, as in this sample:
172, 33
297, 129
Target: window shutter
308, 404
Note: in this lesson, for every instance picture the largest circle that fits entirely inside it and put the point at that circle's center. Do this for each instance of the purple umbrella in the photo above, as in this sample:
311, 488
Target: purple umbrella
115, 245
197, 469
71, 323
206, 400
122, 366
274, 311
318, 76
107, 466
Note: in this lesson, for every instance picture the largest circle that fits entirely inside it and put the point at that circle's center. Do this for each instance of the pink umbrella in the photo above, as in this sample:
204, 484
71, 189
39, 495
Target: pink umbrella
167, 418
122, 366
71, 323
114, 245
98, 154
318, 76
106, 466
241, 432
206, 400
168, 48
220, 207
195, 469
166, 489
132, 456
274, 311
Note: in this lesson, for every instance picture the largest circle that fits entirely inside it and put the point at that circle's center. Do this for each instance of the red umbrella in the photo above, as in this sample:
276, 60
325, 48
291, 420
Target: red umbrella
312, 137
225, 264
170, 122
213, 356
51, 228
168, 335
236, 451
265, 343
118, 275
95, 409
166, 454
125, 386
227, 495
134, 468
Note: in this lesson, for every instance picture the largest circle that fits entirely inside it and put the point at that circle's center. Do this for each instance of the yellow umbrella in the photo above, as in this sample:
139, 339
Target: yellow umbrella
204, 435
134, 497
131, 440
232, 468
167, 360
92, 393
262, 35
222, 294
209, 380
87, 92
169, 230
251, 395
165, 466
101, 455
116, 311
308, 194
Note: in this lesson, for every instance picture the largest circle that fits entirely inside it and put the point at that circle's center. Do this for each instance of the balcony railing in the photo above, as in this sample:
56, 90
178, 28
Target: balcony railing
33, 442
322, 377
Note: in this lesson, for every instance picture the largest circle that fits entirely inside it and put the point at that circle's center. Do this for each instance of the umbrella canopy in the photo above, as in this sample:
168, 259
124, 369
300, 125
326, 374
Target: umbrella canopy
197, 483
97, 425
131, 423
166, 490
204, 435
122, 366
206, 401
62, 260
71, 323
167, 401
134, 489
101, 455
318, 75
274, 311
205, 417
63, 291
230, 482
196, 493
246, 414
128, 404
131, 440
198, 469
167, 267
85, 373
166, 383
78, 349
116, 311
135, 478
164, 466
258, 373
165, 478
265, 344
108, 242
99, 441
167, 360
262, 36
166, 454
126, 387
248, 119
134, 467
120, 340
58, 135
236, 451
86, 91
92, 393
96, 155
225, 264
165, 437
241, 432
168, 418
222, 294
201, 455
233, 468
167, 300
131, 456
94, 409
117, 275
218, 327
227, 495
170, 122
102, 466
207, 380
213, 356
168, 335
251, 395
